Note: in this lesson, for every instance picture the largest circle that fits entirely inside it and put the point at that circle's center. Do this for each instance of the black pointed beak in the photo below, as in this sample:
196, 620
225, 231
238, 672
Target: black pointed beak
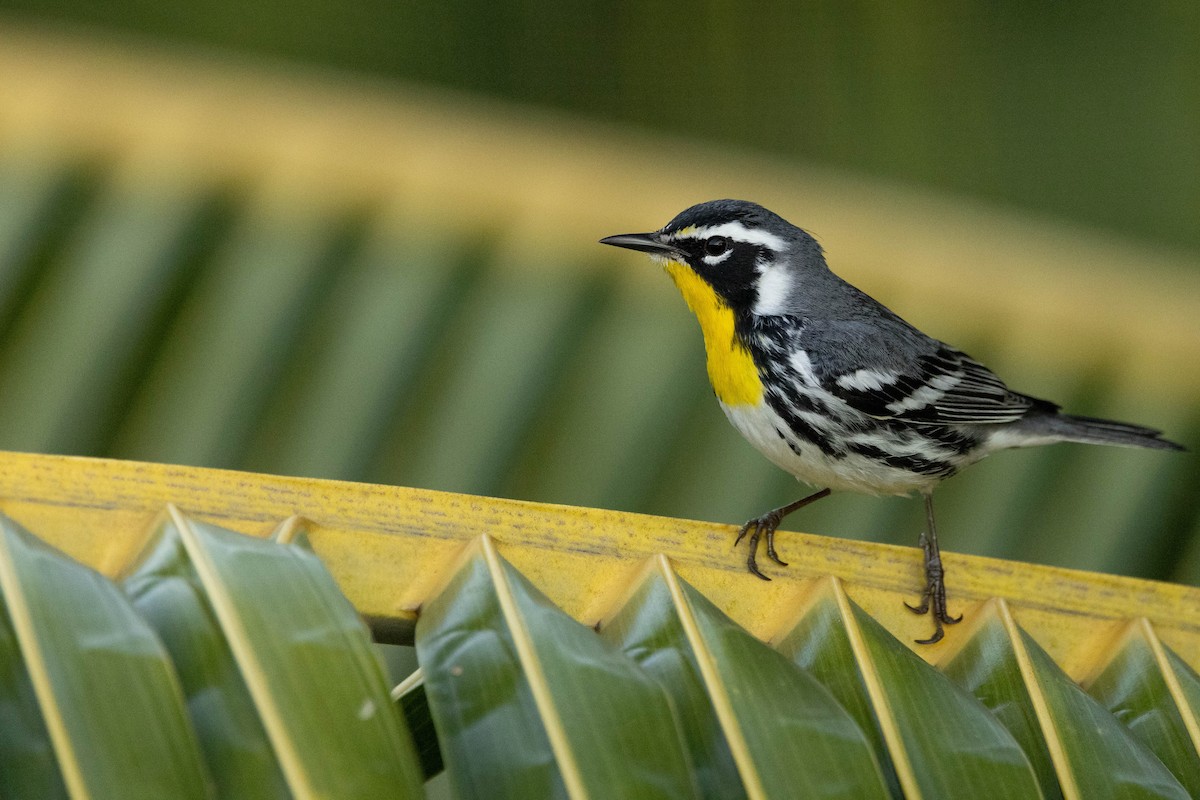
651, 243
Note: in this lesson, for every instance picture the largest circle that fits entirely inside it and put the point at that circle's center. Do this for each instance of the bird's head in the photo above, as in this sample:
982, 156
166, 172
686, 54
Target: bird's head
731, 252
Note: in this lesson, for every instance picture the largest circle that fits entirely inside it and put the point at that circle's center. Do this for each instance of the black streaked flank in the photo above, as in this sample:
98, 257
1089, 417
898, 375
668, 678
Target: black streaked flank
955, 439
799, 427
925, 466
789, 441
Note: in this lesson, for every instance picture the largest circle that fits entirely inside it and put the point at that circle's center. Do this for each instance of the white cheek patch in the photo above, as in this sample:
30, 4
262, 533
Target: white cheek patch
774, 288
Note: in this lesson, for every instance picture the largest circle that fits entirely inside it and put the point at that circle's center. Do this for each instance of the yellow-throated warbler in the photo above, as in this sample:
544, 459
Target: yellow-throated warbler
832, 386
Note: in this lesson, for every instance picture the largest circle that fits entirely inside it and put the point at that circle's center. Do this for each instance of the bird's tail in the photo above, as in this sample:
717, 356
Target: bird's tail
1091, 430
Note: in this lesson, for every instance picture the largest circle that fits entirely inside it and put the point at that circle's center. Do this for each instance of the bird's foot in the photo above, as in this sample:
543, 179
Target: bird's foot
933, 599
766, 525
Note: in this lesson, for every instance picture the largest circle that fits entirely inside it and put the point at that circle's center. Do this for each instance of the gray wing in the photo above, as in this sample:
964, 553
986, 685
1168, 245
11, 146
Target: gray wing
893, 371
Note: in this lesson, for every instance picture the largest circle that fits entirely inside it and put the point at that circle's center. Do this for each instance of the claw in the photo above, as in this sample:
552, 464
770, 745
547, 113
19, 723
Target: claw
756, 571
938, 633
921, 609
757, 528
766, 525
933, 599
771, 548
751, 559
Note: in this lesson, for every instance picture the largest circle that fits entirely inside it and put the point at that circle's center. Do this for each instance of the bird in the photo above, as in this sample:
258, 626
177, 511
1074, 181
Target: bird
835, 388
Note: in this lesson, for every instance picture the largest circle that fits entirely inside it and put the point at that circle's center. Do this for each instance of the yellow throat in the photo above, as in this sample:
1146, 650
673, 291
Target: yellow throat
731, 370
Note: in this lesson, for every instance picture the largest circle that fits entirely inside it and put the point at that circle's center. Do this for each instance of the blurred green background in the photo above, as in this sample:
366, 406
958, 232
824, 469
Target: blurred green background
190, 315
1087, 111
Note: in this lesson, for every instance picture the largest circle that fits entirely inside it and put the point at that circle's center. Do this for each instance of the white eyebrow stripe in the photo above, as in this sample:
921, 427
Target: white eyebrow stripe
737, 232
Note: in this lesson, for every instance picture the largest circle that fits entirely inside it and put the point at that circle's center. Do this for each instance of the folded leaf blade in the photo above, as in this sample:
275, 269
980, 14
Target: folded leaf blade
647, 628
788, 735
1093, 754
1102, 756
308, 663
941, 741
529, 703
987, 666
106, 688
1136, 687
29, 767
166, 591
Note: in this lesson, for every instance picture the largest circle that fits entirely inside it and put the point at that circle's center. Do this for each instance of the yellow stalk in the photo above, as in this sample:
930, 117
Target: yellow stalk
388, 548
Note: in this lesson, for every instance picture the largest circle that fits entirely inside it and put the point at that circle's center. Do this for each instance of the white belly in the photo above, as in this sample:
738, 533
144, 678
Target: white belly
770, 435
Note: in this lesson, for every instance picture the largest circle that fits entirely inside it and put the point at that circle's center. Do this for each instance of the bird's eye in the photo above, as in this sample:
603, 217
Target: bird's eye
716, 245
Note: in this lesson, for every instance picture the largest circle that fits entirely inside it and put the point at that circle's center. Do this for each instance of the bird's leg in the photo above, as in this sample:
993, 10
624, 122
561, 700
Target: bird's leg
934, 597
766, 525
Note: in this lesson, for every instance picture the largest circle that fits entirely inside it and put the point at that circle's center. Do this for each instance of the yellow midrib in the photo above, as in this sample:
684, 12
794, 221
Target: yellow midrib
388, 547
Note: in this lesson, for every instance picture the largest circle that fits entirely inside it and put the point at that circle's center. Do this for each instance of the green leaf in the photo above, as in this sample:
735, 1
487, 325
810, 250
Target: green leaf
308, 663
942, 742
529, 703
986, 665
1092, 753
30, 771
104, 684
1103, 759
167, 593
784, 731
1135, 687
648, 629
818, 643
1189, 690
